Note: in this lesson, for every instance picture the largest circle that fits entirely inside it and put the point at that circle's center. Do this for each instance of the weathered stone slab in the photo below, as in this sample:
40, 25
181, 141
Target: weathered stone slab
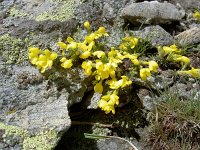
152, 13
156, 35
189, 37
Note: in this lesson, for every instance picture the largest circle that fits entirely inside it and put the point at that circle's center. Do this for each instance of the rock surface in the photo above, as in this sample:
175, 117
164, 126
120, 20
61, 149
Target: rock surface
35, 105
189, 37
156, 35
34, 108
152, 13
187, 5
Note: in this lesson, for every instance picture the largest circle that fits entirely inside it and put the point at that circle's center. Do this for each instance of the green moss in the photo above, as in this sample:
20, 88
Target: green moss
12, 130
13, 49
44, 140
62, 13
16, 12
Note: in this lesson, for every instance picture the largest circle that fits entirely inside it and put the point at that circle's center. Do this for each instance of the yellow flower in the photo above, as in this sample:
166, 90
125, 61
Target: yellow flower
123, 46
112, 53
82, 46
153, 66
33, 54
107, 102
172, 49
99, 54
34, 50
100, 32
85, 54
114, 84
66, 63
98, 87
72, 45
90, 38
135, 62
90, 46
103, 74
104, 70
196, 15
126, 81
87, 25
102, 103
119, 56
45, 60
144, 73
132, 41
132, 57
183, 59
87, 66
62, 45
109, 108
70, 39
193, 72
99, 65
114, 99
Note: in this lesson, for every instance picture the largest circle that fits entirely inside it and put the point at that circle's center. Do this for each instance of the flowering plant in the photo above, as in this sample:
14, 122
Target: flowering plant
104, 65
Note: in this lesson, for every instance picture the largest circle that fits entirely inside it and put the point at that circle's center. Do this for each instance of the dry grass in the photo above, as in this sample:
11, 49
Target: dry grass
175, 125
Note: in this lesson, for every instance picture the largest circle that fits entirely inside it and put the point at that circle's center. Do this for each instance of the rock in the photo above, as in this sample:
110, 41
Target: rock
162, 80
145, 98
187, 4
91, 100
188, 38
156, 35
157, 82
98, 11
186, 89
36, 108
152, 13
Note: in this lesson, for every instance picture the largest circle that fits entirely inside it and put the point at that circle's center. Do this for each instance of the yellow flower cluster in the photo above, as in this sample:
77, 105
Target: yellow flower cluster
107, 102
196, 15
192, 72
172, 53
146, 72
42, 59
129, 42
102, 65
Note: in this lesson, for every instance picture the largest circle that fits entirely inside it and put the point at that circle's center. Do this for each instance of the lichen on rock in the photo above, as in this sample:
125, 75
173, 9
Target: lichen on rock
12, 49
43, 140
63, 12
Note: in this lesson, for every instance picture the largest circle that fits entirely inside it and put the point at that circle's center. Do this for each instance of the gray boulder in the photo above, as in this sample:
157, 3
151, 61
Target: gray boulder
34, 110
189, 37
156, 35
187, 4
152, 13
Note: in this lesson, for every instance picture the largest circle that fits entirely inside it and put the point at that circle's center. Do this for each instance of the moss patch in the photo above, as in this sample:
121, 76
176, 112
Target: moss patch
17, 12
44, 140
62, 13
13, 50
